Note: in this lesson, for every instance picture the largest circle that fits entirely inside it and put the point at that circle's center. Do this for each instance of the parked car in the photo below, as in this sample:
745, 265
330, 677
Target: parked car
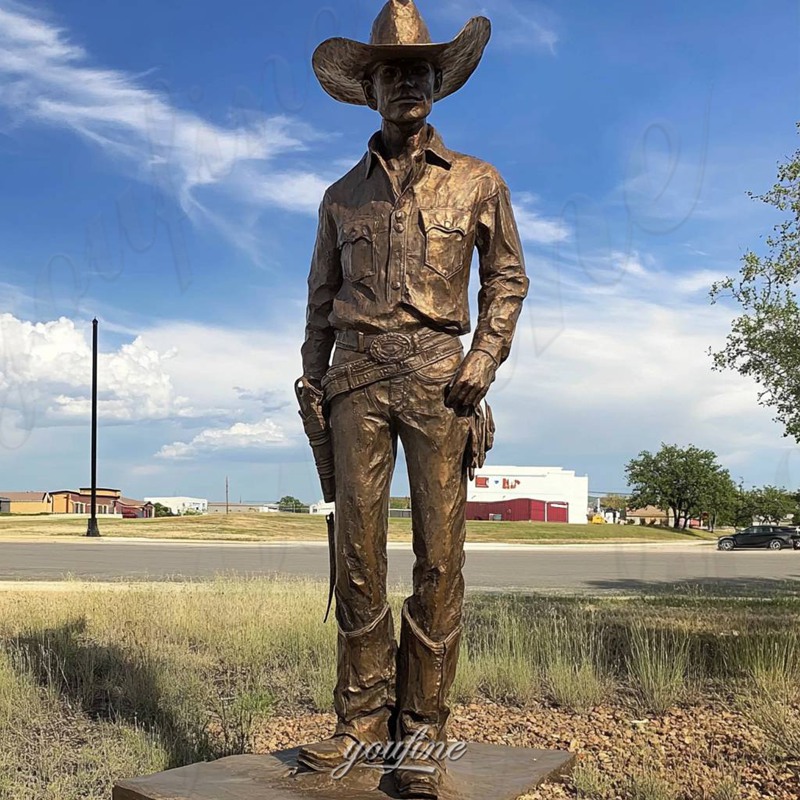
773, 537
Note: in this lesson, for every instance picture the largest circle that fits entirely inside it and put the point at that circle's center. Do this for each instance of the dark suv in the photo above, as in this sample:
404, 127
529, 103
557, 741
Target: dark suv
773, 537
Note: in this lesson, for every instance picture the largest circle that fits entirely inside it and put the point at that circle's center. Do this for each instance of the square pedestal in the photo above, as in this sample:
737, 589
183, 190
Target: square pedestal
486, 772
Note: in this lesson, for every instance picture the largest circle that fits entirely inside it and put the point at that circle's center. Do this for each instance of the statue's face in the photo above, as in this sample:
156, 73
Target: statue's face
402, 91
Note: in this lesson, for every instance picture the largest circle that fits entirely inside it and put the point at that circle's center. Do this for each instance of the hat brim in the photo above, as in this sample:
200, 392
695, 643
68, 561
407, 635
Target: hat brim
342, 64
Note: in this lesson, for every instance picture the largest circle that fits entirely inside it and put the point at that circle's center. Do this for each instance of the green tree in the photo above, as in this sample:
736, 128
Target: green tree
289, 503
773, 505
162, 510
745, 509
719, 500
764, 342
688, 481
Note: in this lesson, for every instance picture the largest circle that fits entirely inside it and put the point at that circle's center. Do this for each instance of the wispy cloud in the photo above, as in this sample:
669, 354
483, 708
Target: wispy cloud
521, 24
47, 79
535, 228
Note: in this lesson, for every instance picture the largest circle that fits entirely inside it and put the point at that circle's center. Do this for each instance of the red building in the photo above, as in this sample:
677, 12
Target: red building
519, 509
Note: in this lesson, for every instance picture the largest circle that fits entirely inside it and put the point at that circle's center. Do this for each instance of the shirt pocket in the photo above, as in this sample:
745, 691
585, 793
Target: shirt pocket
445, 239
357, 247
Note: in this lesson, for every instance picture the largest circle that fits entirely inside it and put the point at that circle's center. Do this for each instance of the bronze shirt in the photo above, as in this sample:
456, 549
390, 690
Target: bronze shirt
385, 261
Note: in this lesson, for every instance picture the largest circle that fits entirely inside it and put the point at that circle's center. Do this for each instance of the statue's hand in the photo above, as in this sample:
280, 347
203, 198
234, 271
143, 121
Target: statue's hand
472, 381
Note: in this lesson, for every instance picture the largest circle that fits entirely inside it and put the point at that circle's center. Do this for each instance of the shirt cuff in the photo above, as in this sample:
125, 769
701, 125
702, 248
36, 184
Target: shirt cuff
488, 351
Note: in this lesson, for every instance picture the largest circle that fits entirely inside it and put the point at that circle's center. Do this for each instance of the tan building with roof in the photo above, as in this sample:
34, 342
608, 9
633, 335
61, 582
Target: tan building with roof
110, 502
69, 501
652, 515
27, 502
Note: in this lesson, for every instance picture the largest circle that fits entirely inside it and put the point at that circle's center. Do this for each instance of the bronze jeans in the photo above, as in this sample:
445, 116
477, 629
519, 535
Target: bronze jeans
365, 427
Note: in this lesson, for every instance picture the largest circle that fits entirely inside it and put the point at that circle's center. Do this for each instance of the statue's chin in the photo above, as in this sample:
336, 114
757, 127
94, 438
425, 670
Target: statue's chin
405, 115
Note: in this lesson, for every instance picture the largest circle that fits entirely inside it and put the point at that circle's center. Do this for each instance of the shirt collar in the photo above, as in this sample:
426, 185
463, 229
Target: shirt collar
435, 151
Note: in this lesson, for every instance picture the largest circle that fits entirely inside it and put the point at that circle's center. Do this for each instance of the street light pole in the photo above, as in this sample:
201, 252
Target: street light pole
92, 529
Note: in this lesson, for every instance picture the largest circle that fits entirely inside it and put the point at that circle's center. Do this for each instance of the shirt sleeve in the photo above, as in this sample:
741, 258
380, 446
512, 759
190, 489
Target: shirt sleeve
324, 282
504, 284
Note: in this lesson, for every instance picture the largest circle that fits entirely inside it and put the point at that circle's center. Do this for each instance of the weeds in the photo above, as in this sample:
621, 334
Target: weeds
648, 784
779, 721
658, 665
729, 788
577, 686
591, 783
97, 685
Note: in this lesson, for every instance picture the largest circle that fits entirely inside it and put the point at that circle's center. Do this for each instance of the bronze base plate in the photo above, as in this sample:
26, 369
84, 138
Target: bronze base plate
486, 772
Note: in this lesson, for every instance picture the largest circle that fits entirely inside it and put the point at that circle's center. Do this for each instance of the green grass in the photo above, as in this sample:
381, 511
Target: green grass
290, 527
97, 685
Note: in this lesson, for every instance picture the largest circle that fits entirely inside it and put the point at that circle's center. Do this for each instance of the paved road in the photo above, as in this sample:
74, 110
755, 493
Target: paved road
573, 569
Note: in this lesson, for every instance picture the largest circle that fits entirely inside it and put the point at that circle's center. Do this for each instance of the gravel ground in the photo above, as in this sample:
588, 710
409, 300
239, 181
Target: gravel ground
695, 748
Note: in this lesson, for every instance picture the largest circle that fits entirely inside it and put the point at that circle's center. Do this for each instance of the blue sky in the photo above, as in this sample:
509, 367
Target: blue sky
162, 165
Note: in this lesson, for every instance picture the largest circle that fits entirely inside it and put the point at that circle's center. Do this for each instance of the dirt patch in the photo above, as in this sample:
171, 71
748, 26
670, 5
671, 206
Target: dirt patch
695, 749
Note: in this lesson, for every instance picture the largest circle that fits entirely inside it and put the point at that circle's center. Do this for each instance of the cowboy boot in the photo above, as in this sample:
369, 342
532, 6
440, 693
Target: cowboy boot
426, 670
364, 693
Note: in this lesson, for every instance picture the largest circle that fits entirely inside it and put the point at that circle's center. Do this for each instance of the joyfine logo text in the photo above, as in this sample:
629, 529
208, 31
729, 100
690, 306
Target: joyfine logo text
389, 756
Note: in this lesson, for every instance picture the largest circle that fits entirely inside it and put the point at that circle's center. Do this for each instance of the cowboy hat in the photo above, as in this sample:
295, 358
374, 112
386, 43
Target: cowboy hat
399, 32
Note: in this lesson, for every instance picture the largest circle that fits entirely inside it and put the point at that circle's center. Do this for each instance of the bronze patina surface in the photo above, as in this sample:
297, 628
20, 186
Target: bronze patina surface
389, 290
486, 772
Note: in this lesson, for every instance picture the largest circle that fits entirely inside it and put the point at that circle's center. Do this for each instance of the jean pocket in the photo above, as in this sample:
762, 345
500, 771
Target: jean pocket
440, 372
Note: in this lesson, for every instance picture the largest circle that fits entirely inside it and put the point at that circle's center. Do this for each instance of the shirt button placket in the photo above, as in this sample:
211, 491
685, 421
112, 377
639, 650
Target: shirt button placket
398, 250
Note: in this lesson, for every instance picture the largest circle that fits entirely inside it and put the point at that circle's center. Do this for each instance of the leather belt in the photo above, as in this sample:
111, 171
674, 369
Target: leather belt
385, 348
389, 355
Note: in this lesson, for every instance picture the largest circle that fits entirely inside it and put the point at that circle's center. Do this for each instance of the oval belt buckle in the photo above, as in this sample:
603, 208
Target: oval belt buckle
391, 347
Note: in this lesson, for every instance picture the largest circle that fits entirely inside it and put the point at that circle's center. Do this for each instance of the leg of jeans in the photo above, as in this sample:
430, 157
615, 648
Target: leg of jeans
364, 452
434, 439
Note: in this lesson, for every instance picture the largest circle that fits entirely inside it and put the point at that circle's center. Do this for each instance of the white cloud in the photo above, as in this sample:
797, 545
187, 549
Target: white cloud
233, 370
618, 374
519, 24
247, 375
699, 281
47, 79
229, 389
238, 437
534, 228
45, 375
625, 371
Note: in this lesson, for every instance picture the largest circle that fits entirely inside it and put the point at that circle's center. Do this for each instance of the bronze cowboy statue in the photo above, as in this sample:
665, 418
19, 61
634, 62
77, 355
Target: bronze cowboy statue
388, 289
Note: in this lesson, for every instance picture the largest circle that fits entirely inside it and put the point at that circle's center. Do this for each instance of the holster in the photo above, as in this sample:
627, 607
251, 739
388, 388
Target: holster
481, 438
310, 400
315, 423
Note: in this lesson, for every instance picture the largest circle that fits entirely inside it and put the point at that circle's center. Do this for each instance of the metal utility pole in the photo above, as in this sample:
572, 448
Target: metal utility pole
92, 529
227, 492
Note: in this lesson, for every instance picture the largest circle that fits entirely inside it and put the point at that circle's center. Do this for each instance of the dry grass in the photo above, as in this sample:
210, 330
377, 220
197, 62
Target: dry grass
591, 783
305, 527
658, 665
649, 784
98, 685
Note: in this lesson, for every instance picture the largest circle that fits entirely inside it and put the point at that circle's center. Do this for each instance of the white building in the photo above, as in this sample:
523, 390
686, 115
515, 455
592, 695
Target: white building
243, 508
546, 484
180, 505
322, 508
